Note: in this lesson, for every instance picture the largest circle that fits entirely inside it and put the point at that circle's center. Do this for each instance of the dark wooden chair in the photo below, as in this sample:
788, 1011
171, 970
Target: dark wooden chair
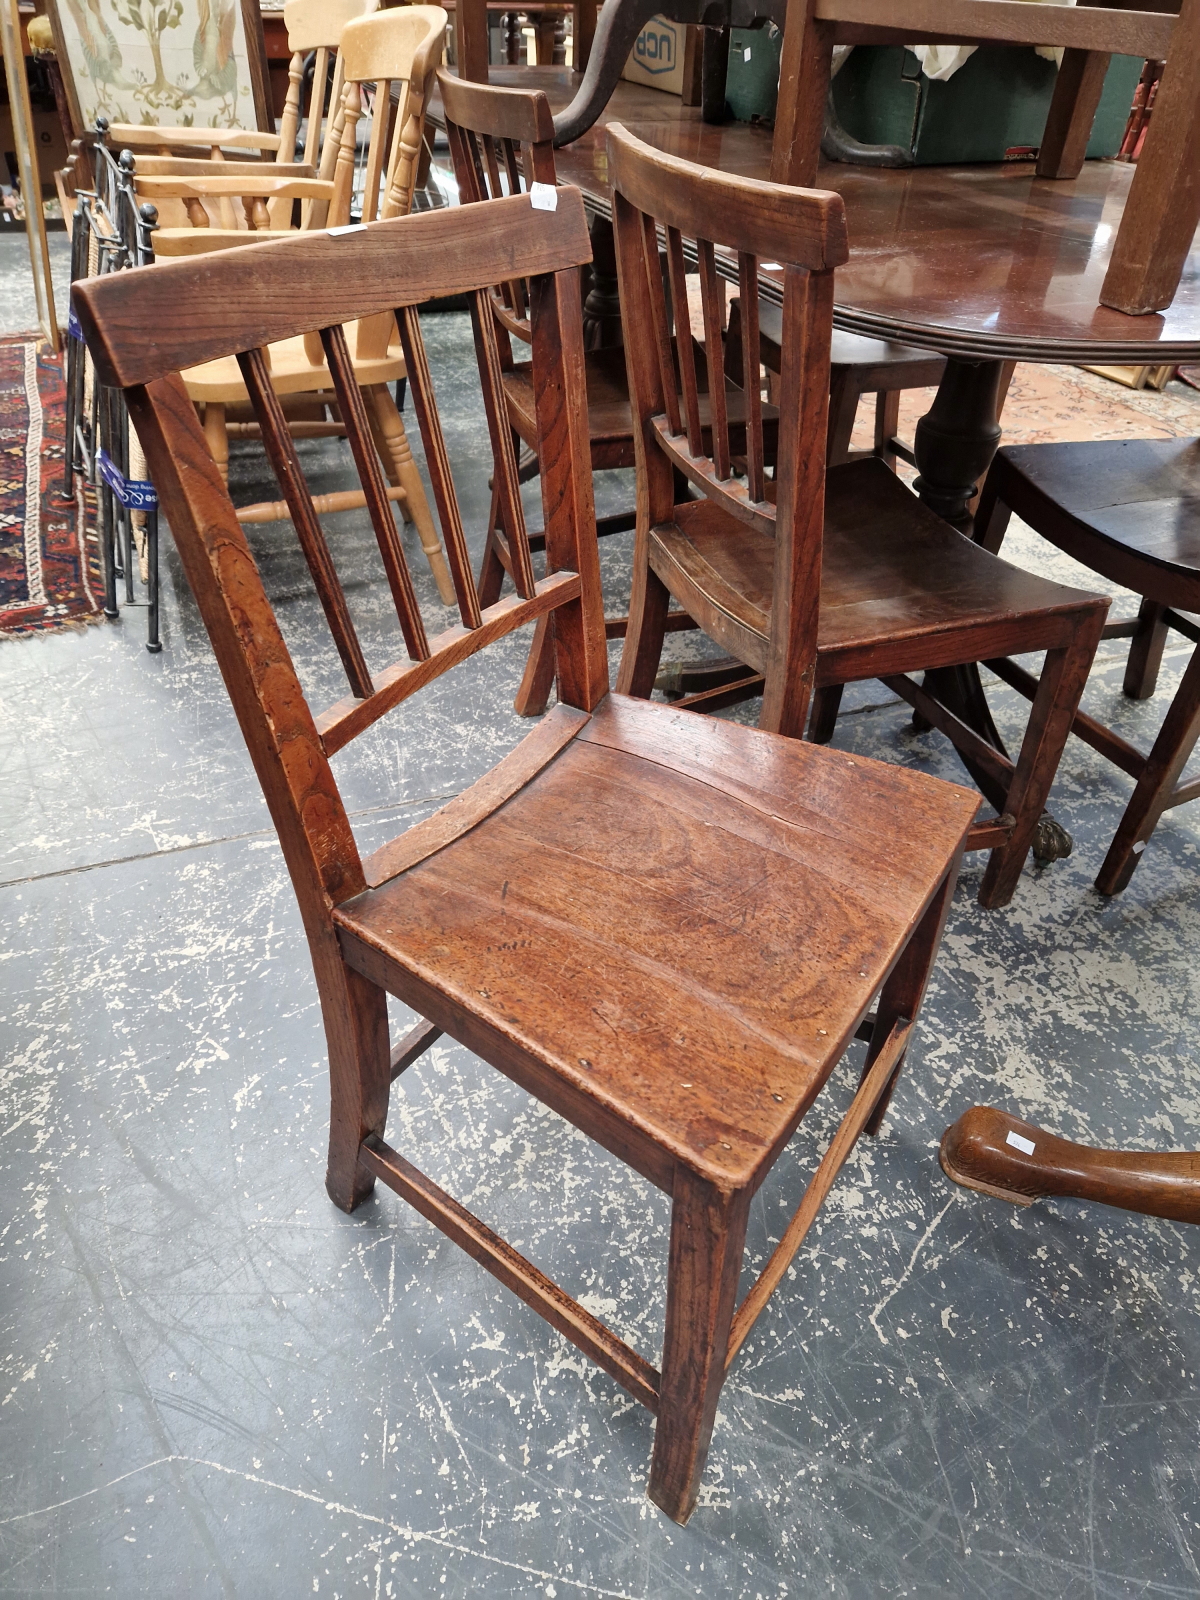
665, 928
501, 141
896, 588
857, 366
1128, 511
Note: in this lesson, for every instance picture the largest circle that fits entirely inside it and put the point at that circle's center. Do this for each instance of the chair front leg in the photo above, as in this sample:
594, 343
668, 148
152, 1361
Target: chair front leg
1059, 689
708, 1232
356, 1029
649, 600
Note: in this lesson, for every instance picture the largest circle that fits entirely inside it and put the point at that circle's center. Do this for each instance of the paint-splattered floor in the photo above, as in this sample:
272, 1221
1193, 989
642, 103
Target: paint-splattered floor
212, 1382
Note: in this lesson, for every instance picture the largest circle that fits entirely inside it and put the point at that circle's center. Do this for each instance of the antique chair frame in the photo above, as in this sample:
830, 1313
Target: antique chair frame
826, 826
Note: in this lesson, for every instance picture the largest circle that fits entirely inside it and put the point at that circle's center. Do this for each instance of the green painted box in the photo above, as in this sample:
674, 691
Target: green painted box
995, 103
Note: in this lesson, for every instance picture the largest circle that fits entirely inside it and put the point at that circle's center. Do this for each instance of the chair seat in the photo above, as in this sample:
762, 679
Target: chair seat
610, 419
885, 363
1133, 507
900, 588
674, 919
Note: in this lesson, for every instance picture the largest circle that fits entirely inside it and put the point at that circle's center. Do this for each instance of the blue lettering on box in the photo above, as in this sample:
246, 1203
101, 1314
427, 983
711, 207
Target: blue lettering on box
654, 50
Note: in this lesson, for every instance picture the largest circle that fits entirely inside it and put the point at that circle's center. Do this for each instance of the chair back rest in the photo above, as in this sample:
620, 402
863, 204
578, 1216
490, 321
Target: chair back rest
190, 311
702, 212
315, 28
400, 48
499, 139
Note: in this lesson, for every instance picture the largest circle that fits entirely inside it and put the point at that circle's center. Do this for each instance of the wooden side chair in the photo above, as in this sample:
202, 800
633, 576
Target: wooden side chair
667, 929
889, 590
1126, 510
501, 140
857, 366
1163, 209
402, 47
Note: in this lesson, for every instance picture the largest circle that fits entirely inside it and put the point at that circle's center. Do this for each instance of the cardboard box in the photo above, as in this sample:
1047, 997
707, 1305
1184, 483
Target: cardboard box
657, 56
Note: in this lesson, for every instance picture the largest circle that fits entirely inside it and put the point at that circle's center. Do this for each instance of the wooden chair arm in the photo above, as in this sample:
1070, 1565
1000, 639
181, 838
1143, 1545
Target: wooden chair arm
135, 136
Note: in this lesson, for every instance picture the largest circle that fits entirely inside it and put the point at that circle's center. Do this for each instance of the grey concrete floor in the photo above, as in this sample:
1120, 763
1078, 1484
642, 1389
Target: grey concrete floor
212, 1382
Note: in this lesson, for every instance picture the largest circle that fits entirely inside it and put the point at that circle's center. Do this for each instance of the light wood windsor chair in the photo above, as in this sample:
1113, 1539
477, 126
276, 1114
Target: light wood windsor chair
1163, 208
667, 929
888, 588
403, 47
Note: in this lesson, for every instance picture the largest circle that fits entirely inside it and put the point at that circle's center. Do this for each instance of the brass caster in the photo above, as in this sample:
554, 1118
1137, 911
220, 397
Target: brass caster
1051, 841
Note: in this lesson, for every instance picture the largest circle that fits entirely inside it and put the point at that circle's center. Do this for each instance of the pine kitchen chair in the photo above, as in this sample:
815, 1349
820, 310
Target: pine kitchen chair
736, 900
402, 47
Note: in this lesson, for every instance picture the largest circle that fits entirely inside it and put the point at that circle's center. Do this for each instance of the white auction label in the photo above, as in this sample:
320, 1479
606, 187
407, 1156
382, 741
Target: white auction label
543, 197
1020, 1142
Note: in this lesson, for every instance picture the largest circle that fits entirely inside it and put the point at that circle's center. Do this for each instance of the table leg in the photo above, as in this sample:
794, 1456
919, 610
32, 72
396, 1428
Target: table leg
602, 308
954, 445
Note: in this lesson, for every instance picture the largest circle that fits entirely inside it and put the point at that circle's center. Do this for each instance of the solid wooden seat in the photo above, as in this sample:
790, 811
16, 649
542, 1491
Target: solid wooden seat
896, 590
667, 930
610, 418
1129, 510
647, 827
919, 585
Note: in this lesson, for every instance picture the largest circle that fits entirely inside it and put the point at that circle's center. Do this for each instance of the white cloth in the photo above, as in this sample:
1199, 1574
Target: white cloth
942, 61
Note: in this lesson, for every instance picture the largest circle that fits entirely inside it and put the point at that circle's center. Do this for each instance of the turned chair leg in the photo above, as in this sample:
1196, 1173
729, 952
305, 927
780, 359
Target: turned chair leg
1146, 651
1050, 717
708, 1231
1167, 759
360, 1078
904, 990
394, 451
217, 437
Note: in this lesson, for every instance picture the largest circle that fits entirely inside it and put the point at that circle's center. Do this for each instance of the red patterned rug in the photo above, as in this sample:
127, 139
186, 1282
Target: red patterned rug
49, 554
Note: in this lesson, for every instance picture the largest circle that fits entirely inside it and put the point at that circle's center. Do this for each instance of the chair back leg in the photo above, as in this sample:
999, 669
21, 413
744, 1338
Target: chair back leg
1153, 792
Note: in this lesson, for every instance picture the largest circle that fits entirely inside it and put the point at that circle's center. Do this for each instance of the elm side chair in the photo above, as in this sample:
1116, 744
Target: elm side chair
666, 928
1159, 219
889, 590
1128, 511
499, 139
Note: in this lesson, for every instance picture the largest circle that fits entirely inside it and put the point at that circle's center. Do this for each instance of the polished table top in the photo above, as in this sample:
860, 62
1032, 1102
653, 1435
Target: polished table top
974, 261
